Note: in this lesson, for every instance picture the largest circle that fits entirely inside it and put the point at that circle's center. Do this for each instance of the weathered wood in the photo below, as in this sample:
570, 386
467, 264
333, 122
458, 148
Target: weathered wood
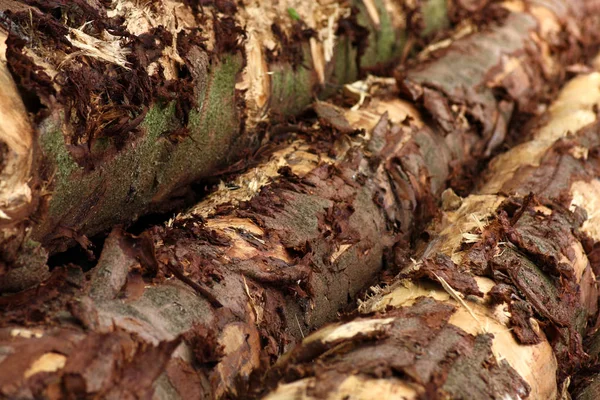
269, 256
133, 101
17, 202
266, 258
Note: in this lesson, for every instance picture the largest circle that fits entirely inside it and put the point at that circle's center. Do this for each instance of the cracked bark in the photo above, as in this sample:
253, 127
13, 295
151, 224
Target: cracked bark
267, 257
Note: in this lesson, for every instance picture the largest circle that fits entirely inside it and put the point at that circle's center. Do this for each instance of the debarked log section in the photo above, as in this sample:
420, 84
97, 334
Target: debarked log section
494, 305
131, 101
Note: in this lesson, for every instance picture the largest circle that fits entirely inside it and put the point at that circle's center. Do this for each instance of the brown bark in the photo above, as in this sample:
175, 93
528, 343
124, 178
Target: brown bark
97, 172
269, 256
17, 149
132, 101
585, 385
449, 92
265, 259
494, 305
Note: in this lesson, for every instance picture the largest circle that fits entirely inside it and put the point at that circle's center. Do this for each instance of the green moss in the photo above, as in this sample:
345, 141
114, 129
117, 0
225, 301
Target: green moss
291, 90
387, 44
90, 201
213, 129
345, 69
100, 145
115, 192
53, 144
435, 16
293, 14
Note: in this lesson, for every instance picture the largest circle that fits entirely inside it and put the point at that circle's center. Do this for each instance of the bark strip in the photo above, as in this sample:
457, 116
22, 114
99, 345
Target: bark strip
268, 257
495, 304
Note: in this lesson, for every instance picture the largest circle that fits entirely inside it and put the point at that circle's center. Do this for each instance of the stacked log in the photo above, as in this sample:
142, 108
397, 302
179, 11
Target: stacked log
202, 306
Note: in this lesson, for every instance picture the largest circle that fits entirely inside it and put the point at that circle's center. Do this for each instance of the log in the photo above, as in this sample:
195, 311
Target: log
219, 292
17, 202
450, 95
198, 101
585, 385
267, 257
131, 102
495, 303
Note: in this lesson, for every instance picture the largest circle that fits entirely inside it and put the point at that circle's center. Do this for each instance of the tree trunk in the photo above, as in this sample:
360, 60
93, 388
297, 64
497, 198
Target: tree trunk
133, 101
495, 302
102, 163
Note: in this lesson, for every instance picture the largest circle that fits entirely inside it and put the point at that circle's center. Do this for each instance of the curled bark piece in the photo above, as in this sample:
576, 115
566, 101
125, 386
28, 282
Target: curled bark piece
262, 261
496, 302
134, 100
503, 68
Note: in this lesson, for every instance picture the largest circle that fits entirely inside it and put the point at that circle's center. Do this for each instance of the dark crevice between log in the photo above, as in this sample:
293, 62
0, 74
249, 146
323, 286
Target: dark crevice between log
86, 259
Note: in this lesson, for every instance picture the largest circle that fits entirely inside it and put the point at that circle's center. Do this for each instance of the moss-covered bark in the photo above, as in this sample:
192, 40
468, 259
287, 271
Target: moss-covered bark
494, 304
138, 103
133, 101
218, 293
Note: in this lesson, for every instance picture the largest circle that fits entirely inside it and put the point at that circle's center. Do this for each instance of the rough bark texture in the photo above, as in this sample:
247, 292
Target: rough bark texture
269, 256
138, 103
132, 101
481, 92
17, 149
586, 383
216, 295
220, 292
495, 303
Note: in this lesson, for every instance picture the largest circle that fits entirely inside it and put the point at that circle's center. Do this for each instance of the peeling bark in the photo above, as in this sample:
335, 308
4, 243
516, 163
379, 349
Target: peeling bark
220, 292
259, 263
495, 304
17, 202
197, 98
503, 68
263, 260
132, 101
585, 385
